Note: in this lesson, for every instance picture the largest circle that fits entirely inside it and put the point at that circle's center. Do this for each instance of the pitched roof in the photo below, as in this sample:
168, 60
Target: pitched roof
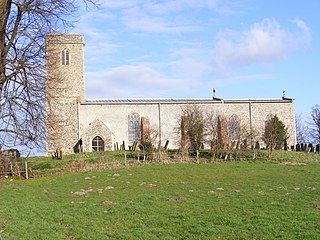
135, 101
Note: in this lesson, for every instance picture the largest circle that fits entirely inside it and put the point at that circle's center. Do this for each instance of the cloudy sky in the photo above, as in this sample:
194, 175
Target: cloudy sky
185, 48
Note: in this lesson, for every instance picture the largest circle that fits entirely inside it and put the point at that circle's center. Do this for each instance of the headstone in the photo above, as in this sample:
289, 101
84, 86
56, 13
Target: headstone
257, 145
166, 145
318, 148
311, 147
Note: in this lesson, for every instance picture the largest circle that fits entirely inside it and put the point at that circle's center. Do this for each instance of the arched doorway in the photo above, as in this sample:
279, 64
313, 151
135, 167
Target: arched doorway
97, 144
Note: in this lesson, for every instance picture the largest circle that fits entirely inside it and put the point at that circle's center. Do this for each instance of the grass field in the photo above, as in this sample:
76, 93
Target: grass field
224, 200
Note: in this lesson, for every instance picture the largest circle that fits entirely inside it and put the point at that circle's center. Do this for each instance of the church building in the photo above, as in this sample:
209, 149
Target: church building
110, 124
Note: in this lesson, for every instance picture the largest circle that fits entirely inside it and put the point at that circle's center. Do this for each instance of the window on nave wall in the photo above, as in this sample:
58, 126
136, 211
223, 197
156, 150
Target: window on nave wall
65, 57
97, 144
134, 127
234, 127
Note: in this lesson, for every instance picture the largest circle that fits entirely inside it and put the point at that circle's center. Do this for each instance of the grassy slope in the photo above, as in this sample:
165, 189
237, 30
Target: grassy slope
275, 201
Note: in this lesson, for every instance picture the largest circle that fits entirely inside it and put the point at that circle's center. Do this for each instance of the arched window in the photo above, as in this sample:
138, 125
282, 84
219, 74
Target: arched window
97, 144
65, 57
134, 131
234, 127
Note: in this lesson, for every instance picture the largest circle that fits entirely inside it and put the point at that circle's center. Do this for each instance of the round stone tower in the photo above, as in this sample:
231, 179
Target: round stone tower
65, 90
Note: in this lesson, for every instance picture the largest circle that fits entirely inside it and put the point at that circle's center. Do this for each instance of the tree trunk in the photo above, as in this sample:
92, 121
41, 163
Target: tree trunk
5, 6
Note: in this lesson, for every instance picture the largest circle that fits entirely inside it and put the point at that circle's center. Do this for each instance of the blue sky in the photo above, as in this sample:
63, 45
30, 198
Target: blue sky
185, 48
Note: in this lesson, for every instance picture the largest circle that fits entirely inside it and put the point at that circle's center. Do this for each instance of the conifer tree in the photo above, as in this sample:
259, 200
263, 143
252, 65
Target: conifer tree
275, 134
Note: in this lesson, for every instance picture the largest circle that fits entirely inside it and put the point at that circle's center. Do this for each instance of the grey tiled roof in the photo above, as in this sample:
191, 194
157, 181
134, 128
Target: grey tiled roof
180, 101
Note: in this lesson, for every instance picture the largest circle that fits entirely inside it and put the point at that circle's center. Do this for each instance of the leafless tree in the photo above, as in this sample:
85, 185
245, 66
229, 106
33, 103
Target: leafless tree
234, 131
23, 27
211, 129
192, 128
314, 125
301, 130
211, 133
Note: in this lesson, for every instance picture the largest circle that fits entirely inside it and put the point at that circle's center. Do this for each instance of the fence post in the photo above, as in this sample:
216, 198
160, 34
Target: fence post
11, 168
26, 166
197, 152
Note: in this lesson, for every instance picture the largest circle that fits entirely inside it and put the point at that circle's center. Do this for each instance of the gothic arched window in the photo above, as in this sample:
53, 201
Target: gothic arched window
97, 144
134, 127
234, 127
65, 57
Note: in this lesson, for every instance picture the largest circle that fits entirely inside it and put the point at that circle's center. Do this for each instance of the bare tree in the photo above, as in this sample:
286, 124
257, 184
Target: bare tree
192, 127
211, 129
234, 131
23, 27
314, 125
301, 130
216, 132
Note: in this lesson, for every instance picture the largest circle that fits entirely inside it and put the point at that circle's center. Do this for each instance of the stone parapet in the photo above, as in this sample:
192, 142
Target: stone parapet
65, 39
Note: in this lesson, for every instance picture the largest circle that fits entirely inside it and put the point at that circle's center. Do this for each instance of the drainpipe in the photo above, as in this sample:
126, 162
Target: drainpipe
250, 121
159, 112
78, 116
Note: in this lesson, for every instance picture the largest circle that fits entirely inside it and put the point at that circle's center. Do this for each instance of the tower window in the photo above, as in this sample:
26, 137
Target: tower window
65, 57
97, 144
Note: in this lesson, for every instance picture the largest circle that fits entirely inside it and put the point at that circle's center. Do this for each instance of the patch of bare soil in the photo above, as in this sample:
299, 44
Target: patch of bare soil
79, 193
317, 205
177, 199
107, 202
294, 163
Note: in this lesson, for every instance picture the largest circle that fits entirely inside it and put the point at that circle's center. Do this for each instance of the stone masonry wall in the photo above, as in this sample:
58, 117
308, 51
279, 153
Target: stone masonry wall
166, 117
64, 89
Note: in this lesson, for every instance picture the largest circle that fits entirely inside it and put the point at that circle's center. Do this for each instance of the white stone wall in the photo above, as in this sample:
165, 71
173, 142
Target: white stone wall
115, 117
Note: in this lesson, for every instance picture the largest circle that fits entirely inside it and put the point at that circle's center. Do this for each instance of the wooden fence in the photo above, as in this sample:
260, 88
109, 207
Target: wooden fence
10, 166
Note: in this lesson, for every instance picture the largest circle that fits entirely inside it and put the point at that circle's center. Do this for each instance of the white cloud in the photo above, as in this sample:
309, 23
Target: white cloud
229, 79
190, 62
161, 7
167, 16
146, 23
139, 19
165, 7
121, 3
306, 35
264, 43
130, 81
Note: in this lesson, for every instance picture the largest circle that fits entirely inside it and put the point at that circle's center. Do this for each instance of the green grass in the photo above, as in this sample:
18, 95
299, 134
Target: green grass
224, 200
77, 160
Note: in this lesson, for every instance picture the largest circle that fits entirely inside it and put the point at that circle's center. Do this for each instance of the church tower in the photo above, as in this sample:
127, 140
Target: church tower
65, 90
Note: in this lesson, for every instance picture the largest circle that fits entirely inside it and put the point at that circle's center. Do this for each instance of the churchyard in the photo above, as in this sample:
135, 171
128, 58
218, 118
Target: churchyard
243, 199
